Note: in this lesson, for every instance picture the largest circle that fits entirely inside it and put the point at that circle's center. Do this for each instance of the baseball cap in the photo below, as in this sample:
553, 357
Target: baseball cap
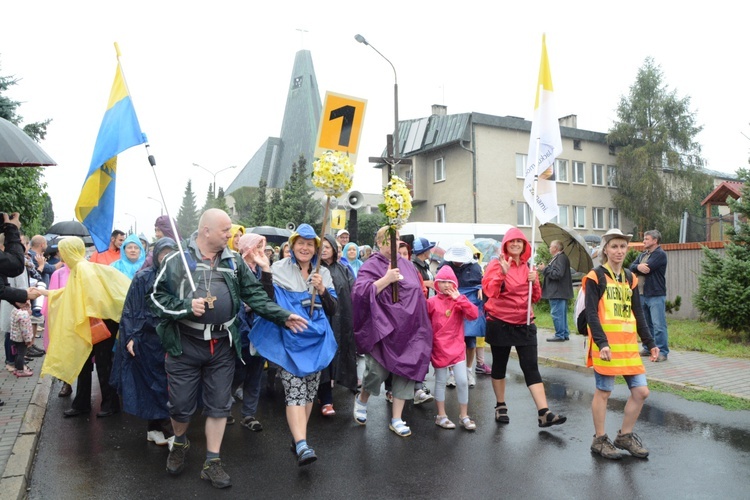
422, 245
341, 231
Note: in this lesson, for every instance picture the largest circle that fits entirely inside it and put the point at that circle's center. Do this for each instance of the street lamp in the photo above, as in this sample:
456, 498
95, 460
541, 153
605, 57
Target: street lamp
214, 174
161, 206
135, 222
396, 152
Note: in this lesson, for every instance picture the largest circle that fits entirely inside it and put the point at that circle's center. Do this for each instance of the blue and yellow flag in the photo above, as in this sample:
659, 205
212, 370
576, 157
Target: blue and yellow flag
119, 131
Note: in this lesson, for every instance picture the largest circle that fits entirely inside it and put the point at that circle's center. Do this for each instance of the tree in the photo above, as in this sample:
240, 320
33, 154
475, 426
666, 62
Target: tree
210, 199
187, 218
221, 202
298, 204
659, 168
724, 285
367, 226
22, 189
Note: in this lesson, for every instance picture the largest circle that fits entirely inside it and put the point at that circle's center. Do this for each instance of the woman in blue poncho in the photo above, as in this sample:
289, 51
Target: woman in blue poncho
132, 256
301, 356
350, 253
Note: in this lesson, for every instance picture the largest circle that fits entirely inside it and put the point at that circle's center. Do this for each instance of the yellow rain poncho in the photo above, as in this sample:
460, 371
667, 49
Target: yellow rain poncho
92, 291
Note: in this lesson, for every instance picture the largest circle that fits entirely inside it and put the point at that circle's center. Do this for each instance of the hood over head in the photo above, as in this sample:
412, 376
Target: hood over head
516, 234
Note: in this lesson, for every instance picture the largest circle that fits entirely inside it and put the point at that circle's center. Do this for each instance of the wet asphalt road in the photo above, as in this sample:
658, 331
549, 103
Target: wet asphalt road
697, 451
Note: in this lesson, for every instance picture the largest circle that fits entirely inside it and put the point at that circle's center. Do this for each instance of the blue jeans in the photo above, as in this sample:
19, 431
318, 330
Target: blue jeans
251, 382
558, 308
655, 310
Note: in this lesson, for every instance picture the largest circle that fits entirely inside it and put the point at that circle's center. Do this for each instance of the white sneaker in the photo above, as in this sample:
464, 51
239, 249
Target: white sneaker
422, 397
472, 379
451, 382
157, 437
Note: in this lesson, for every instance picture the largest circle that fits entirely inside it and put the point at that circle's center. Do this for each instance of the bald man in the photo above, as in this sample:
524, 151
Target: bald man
198, 332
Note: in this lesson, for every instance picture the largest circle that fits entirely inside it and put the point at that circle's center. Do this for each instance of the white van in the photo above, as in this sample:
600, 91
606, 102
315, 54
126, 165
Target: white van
445, 234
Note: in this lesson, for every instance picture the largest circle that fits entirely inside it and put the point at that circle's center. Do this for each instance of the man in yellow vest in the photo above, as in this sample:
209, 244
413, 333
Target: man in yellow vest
614, 317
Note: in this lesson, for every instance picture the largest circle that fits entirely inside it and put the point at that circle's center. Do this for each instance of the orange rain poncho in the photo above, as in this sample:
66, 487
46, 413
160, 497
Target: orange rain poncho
92, 291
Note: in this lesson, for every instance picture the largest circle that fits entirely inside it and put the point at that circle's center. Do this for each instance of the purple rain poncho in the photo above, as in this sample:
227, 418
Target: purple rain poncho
398, 336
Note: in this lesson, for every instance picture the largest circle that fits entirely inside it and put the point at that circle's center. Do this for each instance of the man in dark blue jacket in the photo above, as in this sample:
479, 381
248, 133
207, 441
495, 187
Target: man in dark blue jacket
651, 265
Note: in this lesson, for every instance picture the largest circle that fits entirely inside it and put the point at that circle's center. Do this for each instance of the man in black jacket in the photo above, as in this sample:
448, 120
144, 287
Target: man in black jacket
12, 262
558, 289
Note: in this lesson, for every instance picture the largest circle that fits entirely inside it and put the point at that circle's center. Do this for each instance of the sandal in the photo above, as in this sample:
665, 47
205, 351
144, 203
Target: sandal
327, 410
501, 414
360, 411
549, 419
442, 421
468, 423
400, 428
23, 373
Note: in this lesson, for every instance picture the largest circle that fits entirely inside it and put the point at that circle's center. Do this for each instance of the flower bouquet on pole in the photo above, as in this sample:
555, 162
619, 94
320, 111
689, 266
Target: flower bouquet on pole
396, 207
333, 174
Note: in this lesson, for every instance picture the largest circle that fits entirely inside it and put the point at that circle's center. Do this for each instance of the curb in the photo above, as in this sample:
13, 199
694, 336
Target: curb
558, 363
15, 477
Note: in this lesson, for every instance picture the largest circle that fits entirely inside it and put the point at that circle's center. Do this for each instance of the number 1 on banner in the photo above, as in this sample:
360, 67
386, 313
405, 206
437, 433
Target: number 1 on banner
340, 125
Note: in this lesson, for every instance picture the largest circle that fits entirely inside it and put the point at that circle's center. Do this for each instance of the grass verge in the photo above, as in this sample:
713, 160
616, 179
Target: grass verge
684, 335
704, 396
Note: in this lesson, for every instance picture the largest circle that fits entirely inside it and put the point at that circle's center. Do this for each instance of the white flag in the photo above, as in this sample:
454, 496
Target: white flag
545, 133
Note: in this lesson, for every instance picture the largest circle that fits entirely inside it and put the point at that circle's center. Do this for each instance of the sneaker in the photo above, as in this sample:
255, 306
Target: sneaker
645, 353
35, 352
472, 379
483, 369
389, 396
231, 420
451, 382
157, 437
238, 394
251, 423
631, 443
176, 458
214, 472
604, 447
661, 358
422, 397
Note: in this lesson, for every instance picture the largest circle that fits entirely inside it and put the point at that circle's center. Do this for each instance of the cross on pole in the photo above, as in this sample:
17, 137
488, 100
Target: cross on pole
391, 159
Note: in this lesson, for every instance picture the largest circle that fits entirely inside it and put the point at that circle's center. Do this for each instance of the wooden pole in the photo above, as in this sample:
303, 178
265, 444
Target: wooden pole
320, 249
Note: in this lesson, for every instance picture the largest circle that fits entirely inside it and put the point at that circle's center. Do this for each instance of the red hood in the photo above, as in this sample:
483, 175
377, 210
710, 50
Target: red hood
514, 234
446, 274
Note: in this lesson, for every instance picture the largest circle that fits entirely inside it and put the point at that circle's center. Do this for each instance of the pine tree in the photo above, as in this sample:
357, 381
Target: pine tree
187, 218
659, 168
724, 285
210, 199
221, 202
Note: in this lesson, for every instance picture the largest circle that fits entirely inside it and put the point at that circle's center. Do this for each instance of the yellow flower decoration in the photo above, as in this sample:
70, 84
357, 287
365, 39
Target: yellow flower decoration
396, 204
333, 173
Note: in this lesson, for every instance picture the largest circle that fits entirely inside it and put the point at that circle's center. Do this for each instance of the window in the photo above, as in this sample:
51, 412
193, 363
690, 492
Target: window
579, 172
579, 217
439, 170
614, 218
561, 170
520, 166
577, 144
611, 176
597, 218
597, 174
440, 213
524, 214
562, 215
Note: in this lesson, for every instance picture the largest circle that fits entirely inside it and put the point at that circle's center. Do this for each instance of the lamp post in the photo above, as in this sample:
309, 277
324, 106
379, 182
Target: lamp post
161, 206
214, 174
135, 223
396, 149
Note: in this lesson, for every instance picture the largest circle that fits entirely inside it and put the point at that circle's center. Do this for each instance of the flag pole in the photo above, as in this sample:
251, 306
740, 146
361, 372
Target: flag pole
533, 232
152, 162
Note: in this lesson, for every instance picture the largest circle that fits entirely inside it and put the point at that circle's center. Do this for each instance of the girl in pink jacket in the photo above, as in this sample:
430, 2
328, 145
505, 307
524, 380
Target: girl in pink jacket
447, 310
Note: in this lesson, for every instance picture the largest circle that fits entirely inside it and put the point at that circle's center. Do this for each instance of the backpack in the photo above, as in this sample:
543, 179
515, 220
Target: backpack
580, 307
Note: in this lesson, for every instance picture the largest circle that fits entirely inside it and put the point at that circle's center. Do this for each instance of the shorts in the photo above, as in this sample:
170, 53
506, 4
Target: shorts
299, 391
375, 375
471, 342
607, 382
199, 368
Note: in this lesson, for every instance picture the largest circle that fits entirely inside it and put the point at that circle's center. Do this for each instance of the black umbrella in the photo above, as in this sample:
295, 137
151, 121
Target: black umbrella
53, 240
18, 149
574, 246
68, 228
273, 234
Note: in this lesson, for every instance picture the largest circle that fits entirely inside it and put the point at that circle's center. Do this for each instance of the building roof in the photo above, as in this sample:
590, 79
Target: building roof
299, 130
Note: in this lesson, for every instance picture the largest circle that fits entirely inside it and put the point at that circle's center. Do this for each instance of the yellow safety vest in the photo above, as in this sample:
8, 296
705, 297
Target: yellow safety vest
618, 322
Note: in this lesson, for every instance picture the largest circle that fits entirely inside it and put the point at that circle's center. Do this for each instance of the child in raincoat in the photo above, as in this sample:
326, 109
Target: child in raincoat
448, 309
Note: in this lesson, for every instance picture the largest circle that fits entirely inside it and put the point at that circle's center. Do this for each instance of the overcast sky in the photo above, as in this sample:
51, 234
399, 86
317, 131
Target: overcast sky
209, 80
